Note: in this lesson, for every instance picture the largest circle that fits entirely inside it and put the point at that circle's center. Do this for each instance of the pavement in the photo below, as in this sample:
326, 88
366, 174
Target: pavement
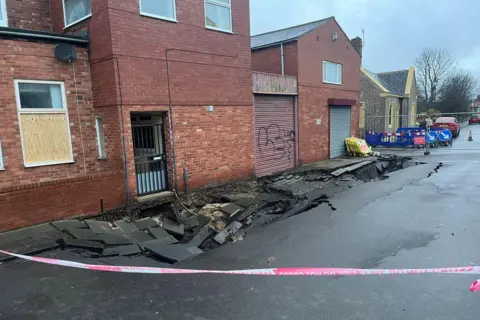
417, 218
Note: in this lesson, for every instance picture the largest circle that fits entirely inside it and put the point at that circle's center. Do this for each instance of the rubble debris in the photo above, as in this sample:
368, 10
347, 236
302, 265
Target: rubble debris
239, 236
316, 194
173, 253
128, 250
125, 226
145, 223
99, 226
161, 234
70, 224
139, 236
231, 209
270, 198
201, 236
114, 239
236, 197
82, 244
341, 171
190, 222
219, 225
298, 208
251, 210
173, 227
222, 236
245, 203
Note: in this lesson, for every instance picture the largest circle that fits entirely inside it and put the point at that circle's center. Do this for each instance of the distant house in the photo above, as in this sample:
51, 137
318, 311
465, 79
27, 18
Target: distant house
476, 105
388, 100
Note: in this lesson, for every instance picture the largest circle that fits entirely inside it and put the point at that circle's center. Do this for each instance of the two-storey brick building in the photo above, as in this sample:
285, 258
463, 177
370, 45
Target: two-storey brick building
308, 123
111, 99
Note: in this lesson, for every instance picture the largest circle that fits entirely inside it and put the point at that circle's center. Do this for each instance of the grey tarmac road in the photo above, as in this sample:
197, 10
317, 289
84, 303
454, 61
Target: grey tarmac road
406, 221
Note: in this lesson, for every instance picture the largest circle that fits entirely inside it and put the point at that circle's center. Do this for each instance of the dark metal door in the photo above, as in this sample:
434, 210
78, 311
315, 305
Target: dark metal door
150, 159
275, 148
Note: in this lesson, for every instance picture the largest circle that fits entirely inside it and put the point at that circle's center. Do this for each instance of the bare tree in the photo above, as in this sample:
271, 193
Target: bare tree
433, 67
457, 92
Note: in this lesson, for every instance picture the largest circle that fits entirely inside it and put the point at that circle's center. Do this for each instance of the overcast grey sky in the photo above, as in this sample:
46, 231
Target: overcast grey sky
395, 30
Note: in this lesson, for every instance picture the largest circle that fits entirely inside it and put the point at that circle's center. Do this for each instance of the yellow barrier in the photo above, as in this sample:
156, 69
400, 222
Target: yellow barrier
357, 147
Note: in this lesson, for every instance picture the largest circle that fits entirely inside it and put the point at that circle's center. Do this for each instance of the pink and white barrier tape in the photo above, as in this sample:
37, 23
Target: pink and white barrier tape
258, 272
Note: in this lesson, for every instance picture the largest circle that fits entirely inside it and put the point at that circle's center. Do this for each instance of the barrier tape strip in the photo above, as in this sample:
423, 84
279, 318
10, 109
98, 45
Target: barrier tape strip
258, 272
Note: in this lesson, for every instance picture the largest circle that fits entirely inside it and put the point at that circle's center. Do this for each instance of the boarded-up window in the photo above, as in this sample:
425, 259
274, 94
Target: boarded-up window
102, 154
44, 125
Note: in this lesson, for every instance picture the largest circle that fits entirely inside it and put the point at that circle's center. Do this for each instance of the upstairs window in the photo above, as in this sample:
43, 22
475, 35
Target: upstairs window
332, 72
162, 9
3, 14
2, 167
44, 125
218, 15
75, 11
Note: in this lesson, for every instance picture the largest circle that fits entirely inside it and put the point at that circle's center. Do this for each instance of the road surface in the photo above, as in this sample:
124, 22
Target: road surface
406, 221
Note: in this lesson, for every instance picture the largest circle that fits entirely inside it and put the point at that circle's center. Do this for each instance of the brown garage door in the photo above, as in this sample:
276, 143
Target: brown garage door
274, 134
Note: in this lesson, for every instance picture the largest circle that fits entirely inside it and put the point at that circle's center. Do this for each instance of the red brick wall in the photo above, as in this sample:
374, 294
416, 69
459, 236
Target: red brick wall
44, 202
36, 61
29, 14
269, 59
313, 48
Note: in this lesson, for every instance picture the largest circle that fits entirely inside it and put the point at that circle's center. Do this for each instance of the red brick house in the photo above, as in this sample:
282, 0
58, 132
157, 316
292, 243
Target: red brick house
149, 95
307, 99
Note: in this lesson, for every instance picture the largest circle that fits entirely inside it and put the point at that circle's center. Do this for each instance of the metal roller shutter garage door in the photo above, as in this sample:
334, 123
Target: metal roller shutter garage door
274, 134
339, 130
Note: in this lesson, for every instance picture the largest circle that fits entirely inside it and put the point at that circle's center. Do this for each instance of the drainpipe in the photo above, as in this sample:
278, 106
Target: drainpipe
283, 59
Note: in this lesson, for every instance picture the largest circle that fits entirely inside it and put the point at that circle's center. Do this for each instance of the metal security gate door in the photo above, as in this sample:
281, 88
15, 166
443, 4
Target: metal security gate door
150, 159
339, 130
274, 134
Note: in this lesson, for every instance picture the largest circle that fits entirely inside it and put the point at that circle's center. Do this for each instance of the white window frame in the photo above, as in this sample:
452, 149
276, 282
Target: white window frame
221, 4
77, 21
2, 165
21, 111
151, 15
4, 20
102, 151
339, 70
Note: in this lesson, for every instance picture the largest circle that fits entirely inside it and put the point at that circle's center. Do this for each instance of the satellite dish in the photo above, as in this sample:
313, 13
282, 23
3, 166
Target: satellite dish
65, 52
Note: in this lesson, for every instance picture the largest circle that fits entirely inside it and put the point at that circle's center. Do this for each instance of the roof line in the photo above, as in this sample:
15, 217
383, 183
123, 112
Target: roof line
291, 27
367, 73
410, 80
403, 70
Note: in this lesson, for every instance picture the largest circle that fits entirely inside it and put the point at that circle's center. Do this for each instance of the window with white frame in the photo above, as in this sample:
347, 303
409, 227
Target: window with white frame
218, 15
102, 154
43, 121
3, 13
332, 72
2, 167
75, 11
163, 9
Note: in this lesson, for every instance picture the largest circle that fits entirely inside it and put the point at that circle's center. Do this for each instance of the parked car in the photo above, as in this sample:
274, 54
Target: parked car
474, 119
449, 123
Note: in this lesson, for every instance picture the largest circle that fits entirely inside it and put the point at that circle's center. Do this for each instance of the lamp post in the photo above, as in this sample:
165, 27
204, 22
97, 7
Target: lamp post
429, 121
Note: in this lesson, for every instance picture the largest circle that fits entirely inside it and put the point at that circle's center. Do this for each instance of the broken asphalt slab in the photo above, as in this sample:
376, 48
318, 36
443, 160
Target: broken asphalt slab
139, 236
83, 244
231, 209
201, 236
245, 203
145, 223
161, 234
128, 250
236, 197
99, 226
114, 239
173, 227
173, 253
82, 234
354, 167
68, 224
125, 226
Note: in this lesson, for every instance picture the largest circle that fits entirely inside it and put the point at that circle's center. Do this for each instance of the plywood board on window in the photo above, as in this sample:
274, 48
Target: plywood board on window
45, 138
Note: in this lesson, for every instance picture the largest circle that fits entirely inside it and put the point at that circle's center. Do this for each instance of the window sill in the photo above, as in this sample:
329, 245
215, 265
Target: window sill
219, 30
2, 168
154, 16
333, 83
43, 164
75, 22
102, 158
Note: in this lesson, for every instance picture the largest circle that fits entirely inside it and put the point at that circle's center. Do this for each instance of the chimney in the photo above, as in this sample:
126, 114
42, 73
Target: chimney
357, 44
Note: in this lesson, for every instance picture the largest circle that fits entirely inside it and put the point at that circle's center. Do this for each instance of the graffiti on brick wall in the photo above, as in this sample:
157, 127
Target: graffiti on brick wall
276, 143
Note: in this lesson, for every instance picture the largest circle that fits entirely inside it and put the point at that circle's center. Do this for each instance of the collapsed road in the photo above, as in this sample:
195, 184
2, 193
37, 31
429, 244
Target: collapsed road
204, 220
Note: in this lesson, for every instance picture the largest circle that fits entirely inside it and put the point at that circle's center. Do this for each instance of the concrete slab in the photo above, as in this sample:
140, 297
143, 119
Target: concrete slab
236, 197
231, 229
99, 226
156, 196
231, 208
201, 236
122, 250
125, 226
331, 164
139, 236
83, 244
114, 239
190, 222
251, 210
52, 236
83, 234
173, 227
71, 224
270, 198
145, 223
351, 168
173, 253
139, 261
245, 203
161, 234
